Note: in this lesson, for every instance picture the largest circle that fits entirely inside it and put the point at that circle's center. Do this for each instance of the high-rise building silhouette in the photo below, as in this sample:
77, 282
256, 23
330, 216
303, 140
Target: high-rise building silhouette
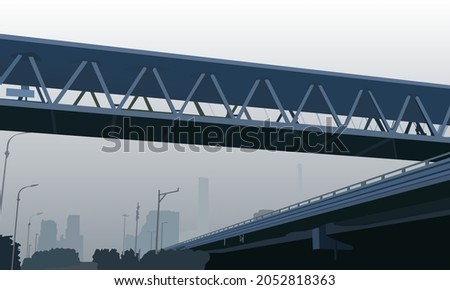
203, 205
47, 236
73, 238
168, 233
129, 242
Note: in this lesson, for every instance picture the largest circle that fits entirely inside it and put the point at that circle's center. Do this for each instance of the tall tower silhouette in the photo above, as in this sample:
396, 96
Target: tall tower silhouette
203, 204
73, 239
47, 236
137, 224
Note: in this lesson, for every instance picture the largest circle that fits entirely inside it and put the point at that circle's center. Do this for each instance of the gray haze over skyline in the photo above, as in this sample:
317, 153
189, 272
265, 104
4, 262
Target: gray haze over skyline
76, 177
398, 39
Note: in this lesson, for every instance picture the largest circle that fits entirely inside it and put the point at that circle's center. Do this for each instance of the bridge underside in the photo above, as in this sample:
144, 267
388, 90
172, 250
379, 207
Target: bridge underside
419, 245
196, 131
407, 231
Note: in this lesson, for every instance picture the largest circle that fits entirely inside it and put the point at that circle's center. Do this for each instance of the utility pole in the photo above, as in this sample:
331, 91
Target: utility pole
15, 224
161, 196
28, 234
136, 234
124, 224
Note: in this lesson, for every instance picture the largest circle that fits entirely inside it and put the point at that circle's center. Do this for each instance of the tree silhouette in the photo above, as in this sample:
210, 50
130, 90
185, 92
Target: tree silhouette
6, 251
129, 260
106, 259
52, 259
165, 260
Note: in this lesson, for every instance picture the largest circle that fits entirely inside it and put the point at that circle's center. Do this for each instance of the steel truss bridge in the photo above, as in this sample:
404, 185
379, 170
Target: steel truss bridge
78, 89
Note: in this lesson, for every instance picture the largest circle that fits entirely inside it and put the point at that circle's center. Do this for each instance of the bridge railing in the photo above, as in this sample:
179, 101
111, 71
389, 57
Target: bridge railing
340, 191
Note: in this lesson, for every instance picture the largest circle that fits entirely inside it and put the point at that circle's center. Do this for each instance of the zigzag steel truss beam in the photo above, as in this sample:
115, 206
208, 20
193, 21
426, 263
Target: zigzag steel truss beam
330, 106
426, 116
302, 104
10, 68
133, 86
382, 122
103, 84
352, 110
383, 119
41, 96
400, 115
444, 123
70, 81
222, 96
247, 100
40, 79
191, 94
277, 101
163, 88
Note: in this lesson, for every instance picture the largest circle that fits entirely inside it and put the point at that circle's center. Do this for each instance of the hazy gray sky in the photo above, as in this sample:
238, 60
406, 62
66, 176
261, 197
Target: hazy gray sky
399, 39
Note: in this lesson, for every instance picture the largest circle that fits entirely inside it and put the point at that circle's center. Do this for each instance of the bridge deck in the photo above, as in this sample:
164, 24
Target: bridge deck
418, 175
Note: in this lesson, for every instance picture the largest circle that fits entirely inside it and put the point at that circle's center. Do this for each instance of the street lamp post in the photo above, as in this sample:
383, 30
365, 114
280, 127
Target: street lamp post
161, 196
162, 234
15, 224
124, 224
4, 166
28, 233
